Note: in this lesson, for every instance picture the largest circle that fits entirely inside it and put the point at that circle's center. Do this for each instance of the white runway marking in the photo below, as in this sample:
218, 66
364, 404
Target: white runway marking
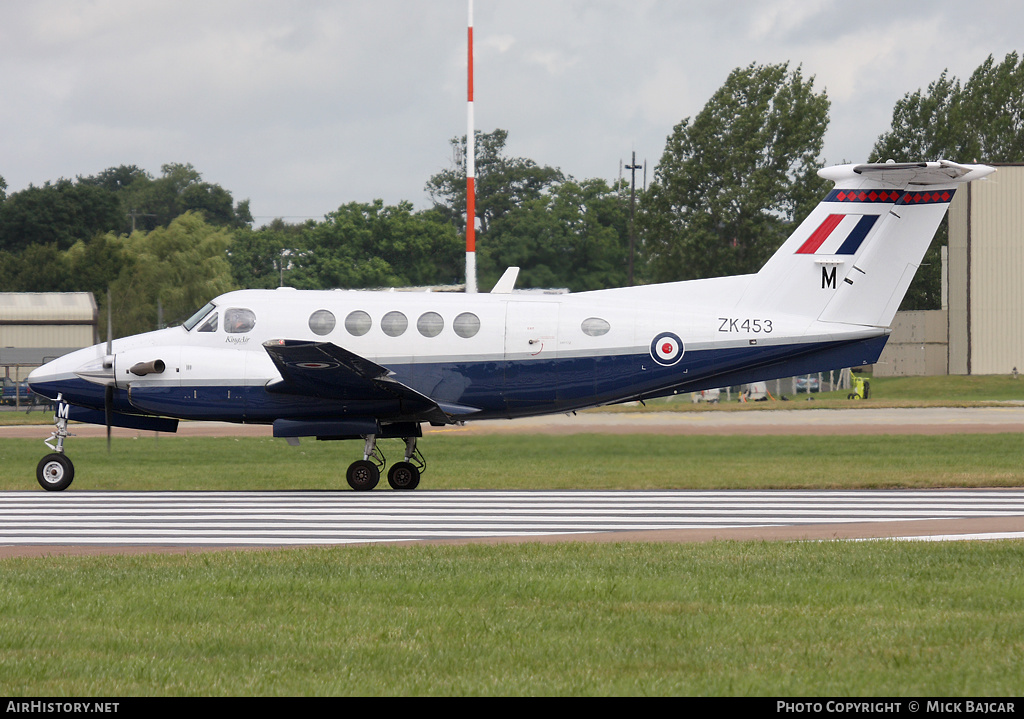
316, 518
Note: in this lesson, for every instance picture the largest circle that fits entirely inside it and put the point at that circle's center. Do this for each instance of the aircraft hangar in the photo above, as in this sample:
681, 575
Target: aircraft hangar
36, 327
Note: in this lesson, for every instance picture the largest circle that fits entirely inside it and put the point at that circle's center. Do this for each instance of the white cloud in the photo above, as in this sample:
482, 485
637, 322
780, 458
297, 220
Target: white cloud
305, 106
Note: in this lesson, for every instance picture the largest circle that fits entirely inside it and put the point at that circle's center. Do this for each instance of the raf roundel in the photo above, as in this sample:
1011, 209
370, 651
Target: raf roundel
667, 349
315, 365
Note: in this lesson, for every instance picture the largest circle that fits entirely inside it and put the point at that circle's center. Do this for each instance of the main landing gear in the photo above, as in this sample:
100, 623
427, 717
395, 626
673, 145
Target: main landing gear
55, 471
364, 474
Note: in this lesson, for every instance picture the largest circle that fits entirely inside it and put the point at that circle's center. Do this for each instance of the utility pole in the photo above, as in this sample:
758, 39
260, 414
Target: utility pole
470, 168
633, 167
135, 214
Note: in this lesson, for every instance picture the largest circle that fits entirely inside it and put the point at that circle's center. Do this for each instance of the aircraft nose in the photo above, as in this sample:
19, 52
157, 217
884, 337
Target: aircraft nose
37, 376
43, 379
60, 375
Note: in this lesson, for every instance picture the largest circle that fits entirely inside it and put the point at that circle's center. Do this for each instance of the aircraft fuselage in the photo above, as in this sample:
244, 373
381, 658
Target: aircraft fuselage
494, 356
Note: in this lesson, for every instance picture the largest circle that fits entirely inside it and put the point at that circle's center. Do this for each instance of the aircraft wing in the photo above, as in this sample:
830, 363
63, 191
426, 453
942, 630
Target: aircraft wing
323, 369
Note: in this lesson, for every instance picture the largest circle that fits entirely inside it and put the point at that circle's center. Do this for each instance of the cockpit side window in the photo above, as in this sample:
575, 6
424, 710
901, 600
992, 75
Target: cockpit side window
194, 319
210, 325
238, 320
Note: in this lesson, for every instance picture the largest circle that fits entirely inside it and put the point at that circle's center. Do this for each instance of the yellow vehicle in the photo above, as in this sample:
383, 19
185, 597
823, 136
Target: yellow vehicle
861, 389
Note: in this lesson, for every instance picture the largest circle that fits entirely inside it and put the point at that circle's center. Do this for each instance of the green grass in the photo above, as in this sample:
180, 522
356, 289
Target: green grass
758, 619
540, 462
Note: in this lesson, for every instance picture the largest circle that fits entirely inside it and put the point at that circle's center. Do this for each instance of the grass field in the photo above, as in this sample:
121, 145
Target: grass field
723, 618
540, 462
756, 619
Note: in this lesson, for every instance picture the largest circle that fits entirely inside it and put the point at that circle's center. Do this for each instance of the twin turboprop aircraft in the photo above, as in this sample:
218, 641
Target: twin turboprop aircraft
347, 364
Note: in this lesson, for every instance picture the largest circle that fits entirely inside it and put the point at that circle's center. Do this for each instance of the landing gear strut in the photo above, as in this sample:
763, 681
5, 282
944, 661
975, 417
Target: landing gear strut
55, 471
406, 474
364, 474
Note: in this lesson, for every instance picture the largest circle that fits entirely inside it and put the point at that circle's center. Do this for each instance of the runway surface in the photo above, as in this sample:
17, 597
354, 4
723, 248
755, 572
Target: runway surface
43, 523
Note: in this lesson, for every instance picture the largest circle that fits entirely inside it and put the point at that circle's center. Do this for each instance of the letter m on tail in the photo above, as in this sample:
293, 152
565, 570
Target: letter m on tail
828, 277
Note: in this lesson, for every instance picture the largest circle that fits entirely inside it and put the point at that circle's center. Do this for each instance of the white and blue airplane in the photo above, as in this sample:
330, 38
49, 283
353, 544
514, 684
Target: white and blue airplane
347, 364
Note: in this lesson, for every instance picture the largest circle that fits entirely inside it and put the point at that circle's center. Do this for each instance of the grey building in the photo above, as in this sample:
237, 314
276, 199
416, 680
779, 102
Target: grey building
36, 327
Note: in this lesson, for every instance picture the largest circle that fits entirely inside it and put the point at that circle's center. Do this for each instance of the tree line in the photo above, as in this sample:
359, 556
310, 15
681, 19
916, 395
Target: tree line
731, 184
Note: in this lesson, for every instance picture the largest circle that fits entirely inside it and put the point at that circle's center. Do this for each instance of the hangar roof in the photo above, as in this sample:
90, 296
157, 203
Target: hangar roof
47, 308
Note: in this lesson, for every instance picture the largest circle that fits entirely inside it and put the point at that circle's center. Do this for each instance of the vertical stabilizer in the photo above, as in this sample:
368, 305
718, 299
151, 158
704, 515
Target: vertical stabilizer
854, 256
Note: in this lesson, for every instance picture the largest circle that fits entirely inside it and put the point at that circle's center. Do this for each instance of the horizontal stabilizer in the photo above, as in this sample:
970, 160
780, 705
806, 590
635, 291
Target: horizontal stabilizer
942, 172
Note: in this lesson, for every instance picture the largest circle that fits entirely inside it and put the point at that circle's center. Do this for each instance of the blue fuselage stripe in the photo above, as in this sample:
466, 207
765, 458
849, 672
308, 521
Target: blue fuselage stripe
497, 388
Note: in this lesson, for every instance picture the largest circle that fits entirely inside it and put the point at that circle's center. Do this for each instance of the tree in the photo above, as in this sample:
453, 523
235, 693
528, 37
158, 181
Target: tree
59, 214
181, 266
981, 120
734, 180
178, 190
37, 268
95, 264
502, 183
574, 236
147, 203
260, 257
374, 245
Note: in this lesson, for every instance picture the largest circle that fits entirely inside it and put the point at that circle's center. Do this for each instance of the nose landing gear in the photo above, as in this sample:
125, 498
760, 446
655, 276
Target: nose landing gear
55, 471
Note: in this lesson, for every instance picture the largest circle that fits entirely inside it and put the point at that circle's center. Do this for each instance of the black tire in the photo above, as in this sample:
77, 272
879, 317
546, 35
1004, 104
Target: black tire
362, 475
55, 472
403, 476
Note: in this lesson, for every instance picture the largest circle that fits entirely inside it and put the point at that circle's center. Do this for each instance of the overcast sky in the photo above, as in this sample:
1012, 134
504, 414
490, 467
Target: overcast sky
302, 106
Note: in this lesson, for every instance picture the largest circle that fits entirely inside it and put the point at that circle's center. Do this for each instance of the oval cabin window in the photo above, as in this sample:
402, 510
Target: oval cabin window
466, 325
595, 326
394, 324
430, 324
358, 323
322, 322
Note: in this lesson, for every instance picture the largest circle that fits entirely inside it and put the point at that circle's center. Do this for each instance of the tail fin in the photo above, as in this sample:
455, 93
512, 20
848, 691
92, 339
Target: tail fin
854, 256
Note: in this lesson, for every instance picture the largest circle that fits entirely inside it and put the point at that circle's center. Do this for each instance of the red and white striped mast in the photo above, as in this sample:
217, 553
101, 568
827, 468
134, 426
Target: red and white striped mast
470, 173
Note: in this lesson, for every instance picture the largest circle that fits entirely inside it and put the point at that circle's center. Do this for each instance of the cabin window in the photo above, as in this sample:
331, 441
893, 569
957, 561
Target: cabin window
466, 325
358, 323
194, 319
238, 320
394, 324
430, 324
210, 325
595, 326
322, 322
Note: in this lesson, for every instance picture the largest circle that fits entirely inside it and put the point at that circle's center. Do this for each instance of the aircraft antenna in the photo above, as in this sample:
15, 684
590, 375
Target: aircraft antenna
470, 170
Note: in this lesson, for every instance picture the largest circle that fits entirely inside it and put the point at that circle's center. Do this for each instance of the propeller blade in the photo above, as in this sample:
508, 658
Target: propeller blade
110, 326
108, 400
108, 392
